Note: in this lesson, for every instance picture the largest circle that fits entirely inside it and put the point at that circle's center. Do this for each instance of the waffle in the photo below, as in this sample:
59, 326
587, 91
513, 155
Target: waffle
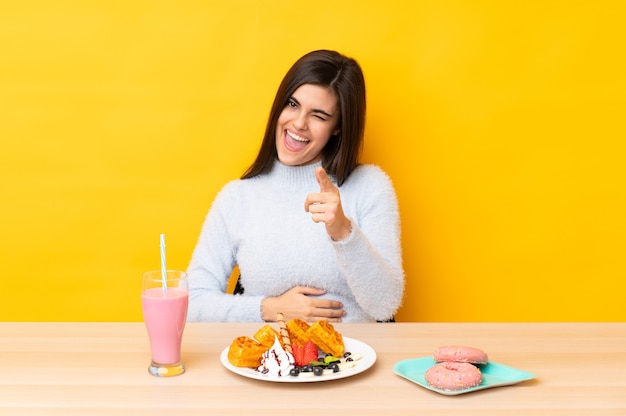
326, 338
245, 352
266, 335
298, 331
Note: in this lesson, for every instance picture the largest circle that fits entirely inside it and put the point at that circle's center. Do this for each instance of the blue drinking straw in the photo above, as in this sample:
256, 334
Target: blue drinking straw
163, 268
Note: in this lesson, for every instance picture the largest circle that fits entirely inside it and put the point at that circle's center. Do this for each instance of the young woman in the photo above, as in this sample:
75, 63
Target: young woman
315, 234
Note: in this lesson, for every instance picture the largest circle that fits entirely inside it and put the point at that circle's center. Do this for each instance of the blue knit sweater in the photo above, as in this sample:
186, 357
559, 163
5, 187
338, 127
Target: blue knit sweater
260, 224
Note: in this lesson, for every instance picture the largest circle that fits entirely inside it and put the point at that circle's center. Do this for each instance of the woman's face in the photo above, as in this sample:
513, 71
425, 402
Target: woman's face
305, 125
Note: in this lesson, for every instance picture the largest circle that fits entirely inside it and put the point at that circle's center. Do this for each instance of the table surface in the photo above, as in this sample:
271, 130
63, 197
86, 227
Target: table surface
101, 369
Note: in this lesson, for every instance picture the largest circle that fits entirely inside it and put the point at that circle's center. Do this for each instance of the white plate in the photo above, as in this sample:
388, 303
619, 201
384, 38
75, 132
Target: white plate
352, 345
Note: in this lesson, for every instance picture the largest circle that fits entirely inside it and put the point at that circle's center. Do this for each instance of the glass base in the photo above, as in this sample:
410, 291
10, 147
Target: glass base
166, 370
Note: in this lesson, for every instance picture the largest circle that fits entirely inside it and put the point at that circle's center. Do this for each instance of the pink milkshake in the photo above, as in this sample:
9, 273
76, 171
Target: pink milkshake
165, 313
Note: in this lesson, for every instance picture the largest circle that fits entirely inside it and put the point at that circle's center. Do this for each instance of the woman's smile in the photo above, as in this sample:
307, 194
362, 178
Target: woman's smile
295, 142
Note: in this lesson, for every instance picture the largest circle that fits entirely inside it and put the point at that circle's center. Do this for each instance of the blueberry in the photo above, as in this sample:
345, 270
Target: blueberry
294, 372
318, 371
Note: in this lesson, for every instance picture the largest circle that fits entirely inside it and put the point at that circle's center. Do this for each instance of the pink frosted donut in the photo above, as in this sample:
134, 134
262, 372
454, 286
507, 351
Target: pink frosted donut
458, 354
453, 376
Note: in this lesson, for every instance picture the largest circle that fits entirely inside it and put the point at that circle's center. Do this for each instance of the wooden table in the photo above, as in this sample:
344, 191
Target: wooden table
101, 369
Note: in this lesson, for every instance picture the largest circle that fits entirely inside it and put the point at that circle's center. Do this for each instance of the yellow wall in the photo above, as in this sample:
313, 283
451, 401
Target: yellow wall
501, 124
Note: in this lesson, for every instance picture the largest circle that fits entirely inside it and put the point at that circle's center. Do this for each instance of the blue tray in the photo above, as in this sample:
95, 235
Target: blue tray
494, 375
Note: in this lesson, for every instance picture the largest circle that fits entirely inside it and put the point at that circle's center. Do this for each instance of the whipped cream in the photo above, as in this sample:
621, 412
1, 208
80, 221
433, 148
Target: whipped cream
276, 361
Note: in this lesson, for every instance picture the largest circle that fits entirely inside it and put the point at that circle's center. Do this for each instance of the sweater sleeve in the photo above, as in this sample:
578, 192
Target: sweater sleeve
211, 265
370, 258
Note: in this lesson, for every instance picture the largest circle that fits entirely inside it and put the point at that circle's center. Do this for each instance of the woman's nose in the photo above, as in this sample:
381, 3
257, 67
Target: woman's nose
300, 121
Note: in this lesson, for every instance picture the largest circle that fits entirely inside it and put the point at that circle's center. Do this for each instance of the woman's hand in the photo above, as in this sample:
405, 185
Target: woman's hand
300, 302
325, 206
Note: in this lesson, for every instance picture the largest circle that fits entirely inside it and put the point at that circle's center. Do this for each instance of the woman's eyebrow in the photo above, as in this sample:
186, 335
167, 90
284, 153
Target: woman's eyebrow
315, 110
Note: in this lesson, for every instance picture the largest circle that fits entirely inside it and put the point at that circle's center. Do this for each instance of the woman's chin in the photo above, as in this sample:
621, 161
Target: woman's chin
296, 160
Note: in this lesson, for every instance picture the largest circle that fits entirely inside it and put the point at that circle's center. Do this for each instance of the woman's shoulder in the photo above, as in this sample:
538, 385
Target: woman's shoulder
369, 168
242, 189
370, 174
369, 185
233, 189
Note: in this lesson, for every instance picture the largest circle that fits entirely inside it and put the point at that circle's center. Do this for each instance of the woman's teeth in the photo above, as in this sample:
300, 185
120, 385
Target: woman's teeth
296, 137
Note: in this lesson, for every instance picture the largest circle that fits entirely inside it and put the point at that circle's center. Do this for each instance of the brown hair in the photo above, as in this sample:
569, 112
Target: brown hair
344, 77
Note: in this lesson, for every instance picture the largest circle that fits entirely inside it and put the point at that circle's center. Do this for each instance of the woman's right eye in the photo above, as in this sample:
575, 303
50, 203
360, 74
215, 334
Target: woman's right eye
292, 104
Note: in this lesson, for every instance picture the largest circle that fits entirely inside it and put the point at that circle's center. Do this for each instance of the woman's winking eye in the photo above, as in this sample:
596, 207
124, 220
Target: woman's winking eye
320, 114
